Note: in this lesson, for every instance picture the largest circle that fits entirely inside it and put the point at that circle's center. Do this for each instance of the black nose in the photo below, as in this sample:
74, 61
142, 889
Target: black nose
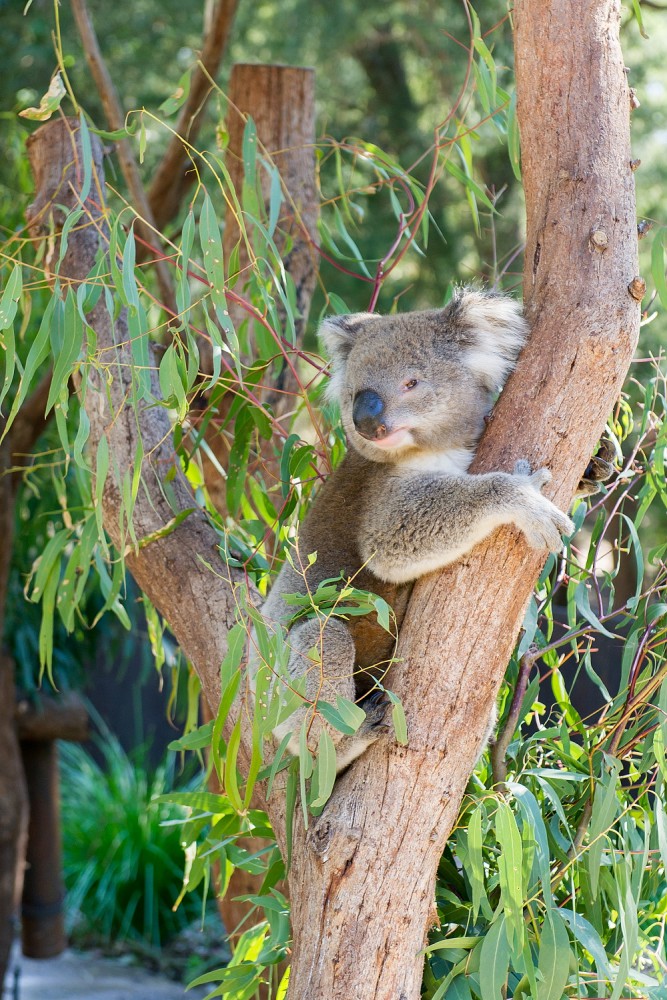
367, 413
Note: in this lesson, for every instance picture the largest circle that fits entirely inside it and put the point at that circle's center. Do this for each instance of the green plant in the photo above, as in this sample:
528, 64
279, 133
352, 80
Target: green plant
121, 846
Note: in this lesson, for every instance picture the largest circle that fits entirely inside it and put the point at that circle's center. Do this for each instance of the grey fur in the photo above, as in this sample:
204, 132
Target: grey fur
391, 513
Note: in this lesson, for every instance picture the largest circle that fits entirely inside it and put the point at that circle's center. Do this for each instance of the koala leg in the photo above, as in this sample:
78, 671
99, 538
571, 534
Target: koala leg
325, 654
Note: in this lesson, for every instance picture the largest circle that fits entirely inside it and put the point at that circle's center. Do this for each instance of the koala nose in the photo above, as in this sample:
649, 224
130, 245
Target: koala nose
367, 413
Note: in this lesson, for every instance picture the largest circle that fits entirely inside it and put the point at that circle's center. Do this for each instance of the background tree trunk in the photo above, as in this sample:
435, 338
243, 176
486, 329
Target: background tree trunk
362, 878
281, 101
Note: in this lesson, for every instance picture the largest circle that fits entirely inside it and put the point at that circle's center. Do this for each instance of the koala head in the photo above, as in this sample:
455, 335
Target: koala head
422, 381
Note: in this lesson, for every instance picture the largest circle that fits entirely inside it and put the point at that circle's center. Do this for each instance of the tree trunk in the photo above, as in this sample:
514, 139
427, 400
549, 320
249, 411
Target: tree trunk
13, 793
362, 877
356, 934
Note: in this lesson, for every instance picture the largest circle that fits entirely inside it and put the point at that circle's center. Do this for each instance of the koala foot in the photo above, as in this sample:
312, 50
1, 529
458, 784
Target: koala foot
375, 725
599, 470
540, 520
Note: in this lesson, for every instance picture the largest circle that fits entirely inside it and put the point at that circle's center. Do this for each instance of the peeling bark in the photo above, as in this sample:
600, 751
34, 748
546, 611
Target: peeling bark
363, 874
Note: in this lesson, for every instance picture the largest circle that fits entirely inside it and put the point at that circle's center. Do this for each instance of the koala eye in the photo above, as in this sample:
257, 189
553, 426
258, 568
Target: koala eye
410, 384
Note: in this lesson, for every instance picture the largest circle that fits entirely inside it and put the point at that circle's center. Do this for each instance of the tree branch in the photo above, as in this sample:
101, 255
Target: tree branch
171, 568
172, 178
504, 738
146, 224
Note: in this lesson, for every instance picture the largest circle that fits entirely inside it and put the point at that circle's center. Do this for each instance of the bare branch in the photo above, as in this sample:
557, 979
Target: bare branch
172, 178
499, 748
146, 224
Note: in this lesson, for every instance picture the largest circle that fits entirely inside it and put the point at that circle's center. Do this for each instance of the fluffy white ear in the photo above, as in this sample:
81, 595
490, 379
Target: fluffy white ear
338, 334
492, 331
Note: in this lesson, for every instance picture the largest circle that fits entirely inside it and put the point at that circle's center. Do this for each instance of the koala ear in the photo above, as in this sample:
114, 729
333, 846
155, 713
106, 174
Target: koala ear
338, 334
491, 330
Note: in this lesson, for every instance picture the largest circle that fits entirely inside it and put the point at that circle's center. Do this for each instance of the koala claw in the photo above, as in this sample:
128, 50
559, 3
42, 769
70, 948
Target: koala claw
375, 705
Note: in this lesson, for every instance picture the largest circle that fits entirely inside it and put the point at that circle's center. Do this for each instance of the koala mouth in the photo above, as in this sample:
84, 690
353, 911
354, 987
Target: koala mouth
398, 438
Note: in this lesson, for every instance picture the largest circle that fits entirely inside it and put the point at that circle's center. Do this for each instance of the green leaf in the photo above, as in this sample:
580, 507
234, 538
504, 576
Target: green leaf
638, 14
49, 103
67, 351
231, 779
334, 718
532, 815
554, 958
39, 351
398, 719
513, 137
285, 477
183, 296
211, 244
196, 740
494, 961
587, 936
583, 603
325, 770
305, 768
179, 97
249, 152
605, 807
510, 874
476, 870
384, 613
352, 715
8, 309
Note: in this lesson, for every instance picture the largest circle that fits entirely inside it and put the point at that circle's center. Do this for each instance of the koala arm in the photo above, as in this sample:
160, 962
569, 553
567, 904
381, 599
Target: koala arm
427, 521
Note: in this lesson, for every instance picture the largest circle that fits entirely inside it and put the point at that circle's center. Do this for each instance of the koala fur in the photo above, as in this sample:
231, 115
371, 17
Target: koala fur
413, 390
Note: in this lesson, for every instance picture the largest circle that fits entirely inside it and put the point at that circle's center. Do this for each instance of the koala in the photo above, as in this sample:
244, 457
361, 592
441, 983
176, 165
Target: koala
414, 391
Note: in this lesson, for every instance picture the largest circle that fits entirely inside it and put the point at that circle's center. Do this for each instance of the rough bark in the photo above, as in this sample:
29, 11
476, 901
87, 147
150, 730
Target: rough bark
362, 878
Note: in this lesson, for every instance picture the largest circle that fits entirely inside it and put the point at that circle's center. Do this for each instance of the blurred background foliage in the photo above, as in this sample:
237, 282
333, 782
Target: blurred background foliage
388, 72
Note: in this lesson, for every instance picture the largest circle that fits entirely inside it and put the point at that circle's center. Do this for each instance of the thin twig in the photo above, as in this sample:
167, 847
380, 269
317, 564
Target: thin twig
115, 116
171, 178
499, 748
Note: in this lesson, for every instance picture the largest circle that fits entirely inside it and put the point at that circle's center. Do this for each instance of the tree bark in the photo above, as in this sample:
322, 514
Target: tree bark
363, 874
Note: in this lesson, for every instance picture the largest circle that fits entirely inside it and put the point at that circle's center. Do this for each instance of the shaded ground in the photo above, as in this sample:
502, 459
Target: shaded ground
74, 976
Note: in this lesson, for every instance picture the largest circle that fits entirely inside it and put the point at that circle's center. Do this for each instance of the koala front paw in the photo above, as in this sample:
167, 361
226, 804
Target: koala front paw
540, 520
545, 525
